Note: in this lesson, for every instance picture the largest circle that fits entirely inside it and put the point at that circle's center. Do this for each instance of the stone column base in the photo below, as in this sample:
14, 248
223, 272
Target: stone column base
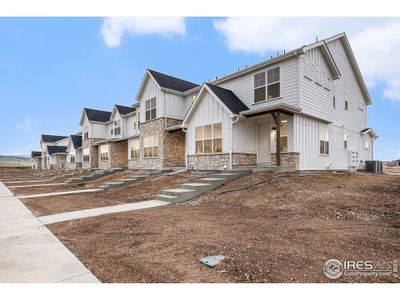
291, 159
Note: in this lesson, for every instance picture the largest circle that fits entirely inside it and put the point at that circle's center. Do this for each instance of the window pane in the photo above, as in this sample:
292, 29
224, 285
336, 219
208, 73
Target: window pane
199, 133
155, 151
274, 90
153, 113
321, 147
207, 146
273, 75
326, 147
153, 103
147, 115
145, 150
259, 79
217, 145
147, 104
259, 94
155, 140
283, 146
207, 132
284, 128
217, 130
199, 147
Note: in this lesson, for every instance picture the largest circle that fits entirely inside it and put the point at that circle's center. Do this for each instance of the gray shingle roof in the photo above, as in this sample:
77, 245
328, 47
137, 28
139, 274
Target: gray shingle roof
231, 101
172, 83
52, 138
36, 154
97, 115
124, 110
76, 141
56, 149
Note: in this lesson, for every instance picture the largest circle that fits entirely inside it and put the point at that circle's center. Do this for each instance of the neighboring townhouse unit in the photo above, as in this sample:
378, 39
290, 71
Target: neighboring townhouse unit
36, 157
94, 125
306, 109
113, 151
74, 150
57, 157
162, 102
50, 140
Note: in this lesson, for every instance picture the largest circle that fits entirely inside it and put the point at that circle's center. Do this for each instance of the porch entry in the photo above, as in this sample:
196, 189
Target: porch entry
264, 143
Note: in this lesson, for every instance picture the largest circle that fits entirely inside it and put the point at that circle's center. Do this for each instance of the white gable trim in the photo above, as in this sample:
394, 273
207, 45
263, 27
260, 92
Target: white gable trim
193, 107
146, 76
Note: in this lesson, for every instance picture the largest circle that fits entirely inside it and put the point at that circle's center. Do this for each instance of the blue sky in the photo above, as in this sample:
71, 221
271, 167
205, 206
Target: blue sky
53, 67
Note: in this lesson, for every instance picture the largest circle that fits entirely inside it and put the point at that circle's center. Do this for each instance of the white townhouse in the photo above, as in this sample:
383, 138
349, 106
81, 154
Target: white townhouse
54, 151
74, 151
105, 136
307, 109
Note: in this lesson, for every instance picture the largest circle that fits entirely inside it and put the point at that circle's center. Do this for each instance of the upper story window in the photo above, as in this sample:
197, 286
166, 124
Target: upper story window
85, 135
345, 141
209, 139
72, 158
346, 102
324, 140
267, 88
138, 120
134, 122
150, 109
116, 130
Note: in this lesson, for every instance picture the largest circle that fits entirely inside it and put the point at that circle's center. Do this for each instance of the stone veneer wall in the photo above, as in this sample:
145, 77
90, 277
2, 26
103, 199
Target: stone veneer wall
73, 166
208, 161
171, 145
93, 152
117, 156
244, 159
291, 159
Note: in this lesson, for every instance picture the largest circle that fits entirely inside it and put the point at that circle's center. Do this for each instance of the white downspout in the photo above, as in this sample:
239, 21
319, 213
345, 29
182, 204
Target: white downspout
186, 159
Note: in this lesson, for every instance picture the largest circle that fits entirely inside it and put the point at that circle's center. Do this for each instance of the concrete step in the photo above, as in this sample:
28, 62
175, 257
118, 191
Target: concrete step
122, 182
198, 186
181, 194
167, 198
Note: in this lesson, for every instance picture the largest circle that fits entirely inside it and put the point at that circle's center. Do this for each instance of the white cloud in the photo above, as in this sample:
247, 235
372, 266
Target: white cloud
375, 41
25, 126
114, 28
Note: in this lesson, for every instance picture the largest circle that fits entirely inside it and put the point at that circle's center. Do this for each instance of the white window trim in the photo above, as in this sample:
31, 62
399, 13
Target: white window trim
150, 109
213, 137
266, 85
135, 146
151, 142
324, 137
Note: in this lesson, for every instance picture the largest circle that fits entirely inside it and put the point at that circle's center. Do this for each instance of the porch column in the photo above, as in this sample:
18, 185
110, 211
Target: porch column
277, 120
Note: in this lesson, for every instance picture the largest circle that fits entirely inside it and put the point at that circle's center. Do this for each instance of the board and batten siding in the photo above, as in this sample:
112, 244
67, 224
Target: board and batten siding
243, 86
244, 138
316, 95
151, 90
356, 116
209, 111
307, 142
175, 106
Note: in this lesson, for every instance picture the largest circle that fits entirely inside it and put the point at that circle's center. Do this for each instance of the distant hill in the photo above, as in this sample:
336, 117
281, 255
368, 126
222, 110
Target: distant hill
13, 161
14, 158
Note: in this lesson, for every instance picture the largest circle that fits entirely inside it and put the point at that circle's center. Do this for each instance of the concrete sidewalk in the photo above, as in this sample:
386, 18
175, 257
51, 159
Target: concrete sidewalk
93, 212
29, 252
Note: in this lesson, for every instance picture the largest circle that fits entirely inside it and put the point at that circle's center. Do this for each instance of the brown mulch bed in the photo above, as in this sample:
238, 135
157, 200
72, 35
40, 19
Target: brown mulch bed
143, 190
282, 230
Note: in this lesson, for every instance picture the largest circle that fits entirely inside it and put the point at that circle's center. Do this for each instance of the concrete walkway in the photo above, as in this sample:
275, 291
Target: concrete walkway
36, 185
29, 252
93, 212
59, 193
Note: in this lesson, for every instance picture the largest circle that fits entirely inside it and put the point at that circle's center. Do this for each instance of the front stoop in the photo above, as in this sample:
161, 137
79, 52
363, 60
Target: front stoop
95, 175
191, 190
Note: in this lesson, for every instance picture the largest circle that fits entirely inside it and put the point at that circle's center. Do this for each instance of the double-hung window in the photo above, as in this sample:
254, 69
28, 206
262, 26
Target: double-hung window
104, 152
72, 158
323, 140
345, 141
117, 128
150, 146
259, 87
86, 156
150, 109
135, 149
267, 88
208, 139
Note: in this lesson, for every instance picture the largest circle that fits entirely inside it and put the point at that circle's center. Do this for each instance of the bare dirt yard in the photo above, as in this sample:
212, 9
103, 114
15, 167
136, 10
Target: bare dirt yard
145, 189
270, 227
